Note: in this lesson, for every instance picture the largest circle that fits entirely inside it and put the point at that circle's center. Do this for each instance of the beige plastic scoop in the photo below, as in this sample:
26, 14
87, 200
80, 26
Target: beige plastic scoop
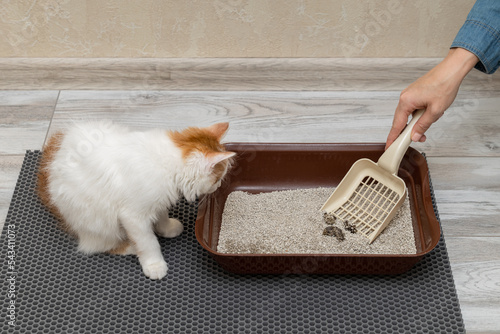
370, 194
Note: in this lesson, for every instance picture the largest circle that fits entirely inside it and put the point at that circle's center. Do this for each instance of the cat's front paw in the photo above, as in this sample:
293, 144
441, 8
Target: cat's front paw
156, 270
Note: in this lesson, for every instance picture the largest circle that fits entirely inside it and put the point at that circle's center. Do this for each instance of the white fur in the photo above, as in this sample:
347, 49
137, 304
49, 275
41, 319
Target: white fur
110, 183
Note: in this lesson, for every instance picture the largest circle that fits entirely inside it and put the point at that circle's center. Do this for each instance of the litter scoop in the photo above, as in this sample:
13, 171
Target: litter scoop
370, 193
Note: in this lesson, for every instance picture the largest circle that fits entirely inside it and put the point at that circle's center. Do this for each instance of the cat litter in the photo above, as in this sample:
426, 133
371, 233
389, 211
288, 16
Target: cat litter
291, 222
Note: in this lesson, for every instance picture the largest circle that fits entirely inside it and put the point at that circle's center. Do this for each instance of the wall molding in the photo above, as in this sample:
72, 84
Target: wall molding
283, 74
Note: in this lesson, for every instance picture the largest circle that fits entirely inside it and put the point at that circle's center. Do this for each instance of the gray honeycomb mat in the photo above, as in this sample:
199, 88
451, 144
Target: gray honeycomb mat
50, 288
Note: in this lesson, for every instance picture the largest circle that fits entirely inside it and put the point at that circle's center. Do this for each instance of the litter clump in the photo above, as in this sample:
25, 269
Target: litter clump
334, 231
329, 218
349, 227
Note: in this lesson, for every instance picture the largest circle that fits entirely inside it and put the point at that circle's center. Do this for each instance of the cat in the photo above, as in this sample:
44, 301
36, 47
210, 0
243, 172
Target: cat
111, 187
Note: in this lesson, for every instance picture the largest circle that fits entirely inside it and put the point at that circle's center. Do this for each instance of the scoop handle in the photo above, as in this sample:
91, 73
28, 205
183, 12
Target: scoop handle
392, 157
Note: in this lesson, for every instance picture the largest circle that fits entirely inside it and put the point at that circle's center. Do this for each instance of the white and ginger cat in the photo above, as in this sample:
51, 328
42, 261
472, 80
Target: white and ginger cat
111, 188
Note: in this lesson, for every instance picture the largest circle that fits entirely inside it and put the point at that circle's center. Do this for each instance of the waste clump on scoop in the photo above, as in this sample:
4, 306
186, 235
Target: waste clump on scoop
370, 193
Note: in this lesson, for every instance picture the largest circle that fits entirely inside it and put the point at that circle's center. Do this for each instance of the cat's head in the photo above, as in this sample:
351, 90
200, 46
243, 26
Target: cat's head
206, 161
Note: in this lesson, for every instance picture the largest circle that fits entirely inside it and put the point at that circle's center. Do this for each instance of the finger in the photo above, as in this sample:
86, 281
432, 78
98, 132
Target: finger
423, 124
399, 122
393, 134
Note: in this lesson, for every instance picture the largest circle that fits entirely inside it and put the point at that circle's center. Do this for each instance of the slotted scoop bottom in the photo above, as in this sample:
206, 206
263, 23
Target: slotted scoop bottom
370, 205
370, 194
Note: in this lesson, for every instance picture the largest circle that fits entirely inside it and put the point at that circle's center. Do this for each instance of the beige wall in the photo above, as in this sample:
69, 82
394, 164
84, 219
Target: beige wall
229, 28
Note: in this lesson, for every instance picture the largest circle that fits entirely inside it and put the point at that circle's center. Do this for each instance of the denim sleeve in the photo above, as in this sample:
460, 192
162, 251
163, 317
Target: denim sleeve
480, 34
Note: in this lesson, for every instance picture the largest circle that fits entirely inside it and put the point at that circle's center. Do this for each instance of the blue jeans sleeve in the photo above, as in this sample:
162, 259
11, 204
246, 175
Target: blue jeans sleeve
480, 34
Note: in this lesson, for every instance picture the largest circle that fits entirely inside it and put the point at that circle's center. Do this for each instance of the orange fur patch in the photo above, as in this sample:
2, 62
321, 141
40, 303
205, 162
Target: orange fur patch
205, 140
196, 139
48, 155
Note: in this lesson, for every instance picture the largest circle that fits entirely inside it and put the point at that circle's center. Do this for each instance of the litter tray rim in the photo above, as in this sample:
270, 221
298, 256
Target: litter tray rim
318, 147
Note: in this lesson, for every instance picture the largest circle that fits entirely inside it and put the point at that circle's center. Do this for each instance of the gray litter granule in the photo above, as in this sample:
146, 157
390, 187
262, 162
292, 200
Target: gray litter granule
290, 221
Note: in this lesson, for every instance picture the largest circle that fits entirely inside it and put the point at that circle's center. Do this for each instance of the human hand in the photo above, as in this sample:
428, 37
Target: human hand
434, 92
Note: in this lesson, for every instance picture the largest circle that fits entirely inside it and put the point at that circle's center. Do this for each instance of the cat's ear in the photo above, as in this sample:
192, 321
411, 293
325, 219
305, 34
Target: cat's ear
218, 129
214, 158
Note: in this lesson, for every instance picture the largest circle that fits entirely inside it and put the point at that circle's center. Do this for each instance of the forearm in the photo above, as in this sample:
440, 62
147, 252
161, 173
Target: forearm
460, 62
448, 74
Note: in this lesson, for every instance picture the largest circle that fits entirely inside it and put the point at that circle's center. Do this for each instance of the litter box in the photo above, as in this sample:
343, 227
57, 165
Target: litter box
263, 167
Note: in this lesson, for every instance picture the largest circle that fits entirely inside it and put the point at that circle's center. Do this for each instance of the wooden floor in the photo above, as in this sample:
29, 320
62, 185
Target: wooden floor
463, 149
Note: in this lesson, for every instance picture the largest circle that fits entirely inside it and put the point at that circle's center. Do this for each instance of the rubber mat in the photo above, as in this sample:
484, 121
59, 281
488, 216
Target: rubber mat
47, 287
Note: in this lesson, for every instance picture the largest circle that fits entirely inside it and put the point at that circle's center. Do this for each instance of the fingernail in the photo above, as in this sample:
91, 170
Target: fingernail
416, 137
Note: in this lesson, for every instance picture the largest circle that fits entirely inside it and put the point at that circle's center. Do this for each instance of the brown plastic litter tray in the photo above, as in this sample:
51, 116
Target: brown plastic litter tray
261, 167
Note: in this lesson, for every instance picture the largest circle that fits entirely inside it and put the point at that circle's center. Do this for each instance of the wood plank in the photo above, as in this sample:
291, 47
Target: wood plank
467, 192
255, 116
297, 74
10, 166
349, 117
475, 264
25, 118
